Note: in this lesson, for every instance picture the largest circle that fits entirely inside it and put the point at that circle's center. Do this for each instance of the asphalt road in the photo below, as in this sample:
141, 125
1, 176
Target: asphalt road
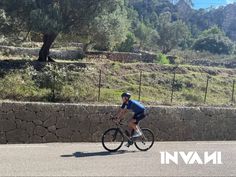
90, 159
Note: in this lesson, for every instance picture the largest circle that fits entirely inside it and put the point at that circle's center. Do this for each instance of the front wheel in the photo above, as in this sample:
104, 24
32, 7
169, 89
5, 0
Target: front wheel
112, 139
146, 141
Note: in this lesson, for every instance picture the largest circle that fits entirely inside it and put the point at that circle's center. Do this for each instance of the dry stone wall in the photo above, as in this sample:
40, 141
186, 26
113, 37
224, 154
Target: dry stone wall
44, 122
124, 57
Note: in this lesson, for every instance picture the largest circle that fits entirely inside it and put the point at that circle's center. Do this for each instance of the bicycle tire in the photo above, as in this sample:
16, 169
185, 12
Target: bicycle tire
118, 132
144, 130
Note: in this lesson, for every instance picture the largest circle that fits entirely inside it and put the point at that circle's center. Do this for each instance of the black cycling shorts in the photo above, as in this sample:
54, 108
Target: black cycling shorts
139, 117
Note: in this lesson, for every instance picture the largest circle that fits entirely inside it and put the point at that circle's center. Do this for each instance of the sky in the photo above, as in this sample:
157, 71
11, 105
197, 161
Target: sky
211, 3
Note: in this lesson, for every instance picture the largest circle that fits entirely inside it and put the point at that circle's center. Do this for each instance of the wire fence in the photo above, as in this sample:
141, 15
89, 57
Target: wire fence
210, 90
106, 86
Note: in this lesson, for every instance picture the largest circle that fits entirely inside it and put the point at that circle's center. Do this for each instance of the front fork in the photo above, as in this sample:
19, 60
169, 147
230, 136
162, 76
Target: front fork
115, 134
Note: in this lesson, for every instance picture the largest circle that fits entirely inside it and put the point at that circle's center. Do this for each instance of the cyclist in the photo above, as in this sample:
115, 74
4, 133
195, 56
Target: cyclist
139, 114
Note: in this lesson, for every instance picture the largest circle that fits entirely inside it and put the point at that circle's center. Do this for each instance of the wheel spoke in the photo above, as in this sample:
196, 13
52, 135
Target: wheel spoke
112, 139
146, 141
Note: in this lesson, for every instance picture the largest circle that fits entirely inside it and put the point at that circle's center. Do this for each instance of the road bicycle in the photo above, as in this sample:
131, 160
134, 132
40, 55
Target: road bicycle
113, 138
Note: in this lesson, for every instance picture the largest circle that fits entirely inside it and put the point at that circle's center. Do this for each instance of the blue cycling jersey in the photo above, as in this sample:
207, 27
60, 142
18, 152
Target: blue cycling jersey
133, 105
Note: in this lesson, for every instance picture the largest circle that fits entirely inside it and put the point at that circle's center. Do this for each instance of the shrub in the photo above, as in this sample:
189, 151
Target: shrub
128, 44
18, 86
162, 59
214, 41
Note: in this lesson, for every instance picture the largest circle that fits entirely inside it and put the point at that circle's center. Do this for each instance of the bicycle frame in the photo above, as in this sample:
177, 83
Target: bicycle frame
119, 126
121, 132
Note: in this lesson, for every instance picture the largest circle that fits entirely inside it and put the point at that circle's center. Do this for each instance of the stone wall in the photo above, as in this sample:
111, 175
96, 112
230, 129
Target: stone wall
68, 54
213, 63
42, 122
71, 54
123, 56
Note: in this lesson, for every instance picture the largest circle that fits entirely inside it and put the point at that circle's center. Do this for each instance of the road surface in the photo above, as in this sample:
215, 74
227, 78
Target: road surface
90, 159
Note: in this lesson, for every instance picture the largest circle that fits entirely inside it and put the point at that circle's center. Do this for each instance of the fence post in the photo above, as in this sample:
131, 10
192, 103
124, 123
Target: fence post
99, 85
233, 91
53, 89
172, 87
140, 85
53, 84
206, 90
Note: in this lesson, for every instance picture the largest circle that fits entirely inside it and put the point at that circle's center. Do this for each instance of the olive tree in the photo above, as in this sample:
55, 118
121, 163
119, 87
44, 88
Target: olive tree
82, 17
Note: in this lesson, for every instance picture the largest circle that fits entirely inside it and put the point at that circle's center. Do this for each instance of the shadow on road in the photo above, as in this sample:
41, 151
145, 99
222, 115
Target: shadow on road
92, 154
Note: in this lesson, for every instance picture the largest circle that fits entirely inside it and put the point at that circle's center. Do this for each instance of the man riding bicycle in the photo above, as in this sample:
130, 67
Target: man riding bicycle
139, 113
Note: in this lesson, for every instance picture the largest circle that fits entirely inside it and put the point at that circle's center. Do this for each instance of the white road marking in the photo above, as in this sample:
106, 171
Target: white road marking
219, 143
23, 146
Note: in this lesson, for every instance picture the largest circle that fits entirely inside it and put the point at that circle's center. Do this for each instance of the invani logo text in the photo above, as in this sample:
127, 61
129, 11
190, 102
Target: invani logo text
191, 158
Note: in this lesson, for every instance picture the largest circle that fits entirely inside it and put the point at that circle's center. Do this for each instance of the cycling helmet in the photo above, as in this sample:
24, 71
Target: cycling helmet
128, 95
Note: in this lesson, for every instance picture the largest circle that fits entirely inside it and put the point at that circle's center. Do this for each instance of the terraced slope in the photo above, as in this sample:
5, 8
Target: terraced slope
78, 82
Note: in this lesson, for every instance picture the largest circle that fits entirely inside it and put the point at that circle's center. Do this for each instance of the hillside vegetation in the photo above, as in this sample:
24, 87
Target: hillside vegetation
173, 32
120, 25
73, 83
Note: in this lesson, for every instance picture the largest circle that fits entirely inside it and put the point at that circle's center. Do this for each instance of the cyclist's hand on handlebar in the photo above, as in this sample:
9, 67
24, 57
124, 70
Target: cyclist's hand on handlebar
116, 120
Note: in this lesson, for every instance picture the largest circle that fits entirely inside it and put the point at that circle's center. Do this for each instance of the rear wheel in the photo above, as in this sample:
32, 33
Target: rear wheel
146, 141
112, 139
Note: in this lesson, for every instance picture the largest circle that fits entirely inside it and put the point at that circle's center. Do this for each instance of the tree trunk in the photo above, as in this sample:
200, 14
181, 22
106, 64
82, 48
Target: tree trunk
27, 35
165, 50
48, 39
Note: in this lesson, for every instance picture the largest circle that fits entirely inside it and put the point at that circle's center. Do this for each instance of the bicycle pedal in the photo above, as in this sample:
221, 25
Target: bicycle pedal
130, 142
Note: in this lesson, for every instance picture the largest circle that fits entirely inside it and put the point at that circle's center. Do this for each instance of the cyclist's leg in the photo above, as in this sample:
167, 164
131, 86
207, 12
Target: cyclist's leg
139, 117
132, 125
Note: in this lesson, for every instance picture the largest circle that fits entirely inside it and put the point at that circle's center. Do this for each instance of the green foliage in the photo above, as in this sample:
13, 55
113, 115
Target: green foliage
172, 34
3, 20
99, 22
146, 35
76, 92
18, 86
162, 59
50, 77
119, 24
6, 27
148, 11
81, 86
110, 29
213, 30
214, 41
128, 44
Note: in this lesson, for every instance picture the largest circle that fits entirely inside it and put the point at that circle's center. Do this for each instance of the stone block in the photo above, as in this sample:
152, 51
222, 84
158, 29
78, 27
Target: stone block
36, 139
18, 123
52, 129
25, 115
43, 115
50, 138
76, 137
7, 115
74, 124
50, 122
17, 136
3, 138
7, 125
38, 122
62, 123
30, 128
64, 133
40, 131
